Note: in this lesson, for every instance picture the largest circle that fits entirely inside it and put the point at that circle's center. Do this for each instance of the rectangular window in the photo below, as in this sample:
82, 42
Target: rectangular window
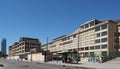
82, 49
104, 40
98, 34
104, 46
63, 39
97, 41
82, 27
86, 48
92, 48
91, 54
116, 40
97, 47
104, 26
68, 38
104, 53
86, 26
96, 23
104, 33
92, 23
74, 36
118, 33
97, 28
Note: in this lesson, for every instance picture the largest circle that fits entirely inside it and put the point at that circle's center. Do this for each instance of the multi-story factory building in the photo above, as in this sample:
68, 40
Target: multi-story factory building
24, 46
93, 38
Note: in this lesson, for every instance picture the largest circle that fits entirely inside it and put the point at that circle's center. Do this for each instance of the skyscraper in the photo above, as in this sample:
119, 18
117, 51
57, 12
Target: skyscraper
3, 46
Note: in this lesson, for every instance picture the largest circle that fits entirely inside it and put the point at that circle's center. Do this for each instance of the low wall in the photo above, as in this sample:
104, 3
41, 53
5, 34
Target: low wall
13, 57
36, 57
84, 59
89, 59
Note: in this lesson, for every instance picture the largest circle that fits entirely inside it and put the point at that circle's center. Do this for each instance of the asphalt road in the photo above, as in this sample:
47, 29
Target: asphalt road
12, 64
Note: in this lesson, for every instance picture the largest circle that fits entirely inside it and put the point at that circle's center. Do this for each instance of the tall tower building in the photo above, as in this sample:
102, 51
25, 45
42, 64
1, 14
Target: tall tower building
3, 46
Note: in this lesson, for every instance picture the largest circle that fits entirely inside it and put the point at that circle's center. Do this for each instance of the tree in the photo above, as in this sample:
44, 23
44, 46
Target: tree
2, 55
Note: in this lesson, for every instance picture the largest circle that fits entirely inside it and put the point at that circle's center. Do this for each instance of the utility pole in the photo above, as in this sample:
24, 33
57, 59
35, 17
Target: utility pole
22, 52
47, 43
31, 54
47, 51
78, 47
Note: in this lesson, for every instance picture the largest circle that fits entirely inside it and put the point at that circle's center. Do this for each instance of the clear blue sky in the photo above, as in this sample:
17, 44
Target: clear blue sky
52, 18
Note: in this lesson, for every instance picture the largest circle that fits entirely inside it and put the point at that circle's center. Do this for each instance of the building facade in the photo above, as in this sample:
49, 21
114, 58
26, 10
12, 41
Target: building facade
3, 46
99, 38
25, 46
93, 38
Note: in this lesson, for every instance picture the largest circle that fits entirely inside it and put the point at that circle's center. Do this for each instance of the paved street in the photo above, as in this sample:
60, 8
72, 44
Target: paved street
106, 65
12, 64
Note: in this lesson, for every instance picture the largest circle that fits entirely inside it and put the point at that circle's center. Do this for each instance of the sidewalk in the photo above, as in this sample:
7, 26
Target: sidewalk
89, 65
84, 64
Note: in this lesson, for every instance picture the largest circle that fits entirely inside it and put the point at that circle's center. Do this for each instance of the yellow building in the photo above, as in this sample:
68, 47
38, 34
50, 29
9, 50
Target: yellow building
25, 46
93, 38
99, 38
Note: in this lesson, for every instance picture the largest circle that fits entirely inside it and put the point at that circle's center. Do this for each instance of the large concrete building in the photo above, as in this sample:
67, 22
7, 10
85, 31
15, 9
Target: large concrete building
3, 46
25, 46
93, 38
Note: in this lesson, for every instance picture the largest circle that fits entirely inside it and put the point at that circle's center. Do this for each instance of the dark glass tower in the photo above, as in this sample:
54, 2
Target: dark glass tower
3, 46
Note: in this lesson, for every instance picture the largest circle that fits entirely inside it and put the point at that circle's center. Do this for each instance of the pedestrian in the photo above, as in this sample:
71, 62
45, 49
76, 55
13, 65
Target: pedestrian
100, 59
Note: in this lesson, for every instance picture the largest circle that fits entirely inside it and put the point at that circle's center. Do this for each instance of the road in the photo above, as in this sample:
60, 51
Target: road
12, 64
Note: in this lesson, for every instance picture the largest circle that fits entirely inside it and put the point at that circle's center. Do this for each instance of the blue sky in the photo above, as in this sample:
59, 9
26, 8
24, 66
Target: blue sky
52, 18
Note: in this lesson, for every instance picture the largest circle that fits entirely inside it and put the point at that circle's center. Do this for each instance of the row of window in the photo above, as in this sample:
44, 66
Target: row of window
67, 38
102, 27
52, 46
96, 29
33, 44
102, 40
103, 53
66, 42
88, 25
104, 46
98, 47
102, 34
